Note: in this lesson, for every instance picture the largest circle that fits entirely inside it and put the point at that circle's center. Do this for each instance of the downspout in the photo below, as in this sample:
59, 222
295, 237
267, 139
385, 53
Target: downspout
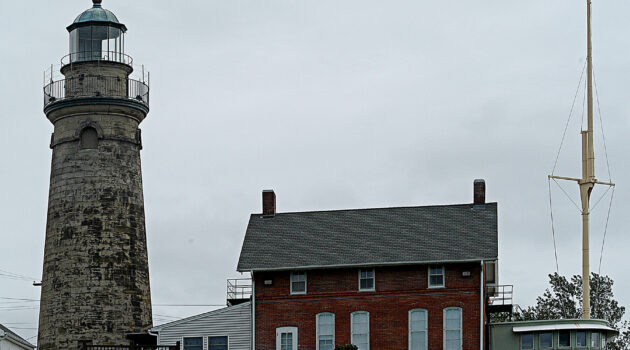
253, 312
481, 311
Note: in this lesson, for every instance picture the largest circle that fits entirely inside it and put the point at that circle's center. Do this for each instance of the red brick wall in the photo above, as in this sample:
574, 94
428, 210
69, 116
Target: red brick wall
398, 290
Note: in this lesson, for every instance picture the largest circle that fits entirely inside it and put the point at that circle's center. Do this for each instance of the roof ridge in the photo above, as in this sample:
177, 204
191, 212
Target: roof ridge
198, 316
379, 208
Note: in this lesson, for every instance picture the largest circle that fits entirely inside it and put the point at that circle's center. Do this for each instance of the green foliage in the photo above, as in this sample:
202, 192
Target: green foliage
346, 347
564, 300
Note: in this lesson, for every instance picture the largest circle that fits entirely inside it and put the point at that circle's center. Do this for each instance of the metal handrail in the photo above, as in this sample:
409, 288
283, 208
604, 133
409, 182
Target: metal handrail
86, 56
500, 294
96, 86
239, 288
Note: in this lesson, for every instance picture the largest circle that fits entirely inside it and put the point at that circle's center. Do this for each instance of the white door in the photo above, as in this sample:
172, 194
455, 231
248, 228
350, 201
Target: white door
286, 338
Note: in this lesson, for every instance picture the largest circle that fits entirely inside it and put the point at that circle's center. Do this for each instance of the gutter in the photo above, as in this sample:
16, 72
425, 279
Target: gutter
253, 343
481, 311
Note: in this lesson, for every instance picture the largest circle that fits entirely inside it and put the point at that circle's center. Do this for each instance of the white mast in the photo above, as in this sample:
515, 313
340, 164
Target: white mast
588, 180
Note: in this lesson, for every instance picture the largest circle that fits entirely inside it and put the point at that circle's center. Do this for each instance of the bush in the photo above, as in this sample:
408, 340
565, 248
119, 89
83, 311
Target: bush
347, 347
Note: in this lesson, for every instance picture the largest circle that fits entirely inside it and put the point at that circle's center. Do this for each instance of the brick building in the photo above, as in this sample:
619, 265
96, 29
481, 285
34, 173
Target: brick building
382, 279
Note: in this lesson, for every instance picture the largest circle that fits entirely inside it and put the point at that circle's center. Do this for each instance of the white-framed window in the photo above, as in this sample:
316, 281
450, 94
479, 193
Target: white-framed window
418, 329
527, 341
580, 339
298, 282
596, 341
325, 328
564, 339
545, 340
218, 343
453, 328
286, 338
366, 280
360, 329
436, 276
193, 343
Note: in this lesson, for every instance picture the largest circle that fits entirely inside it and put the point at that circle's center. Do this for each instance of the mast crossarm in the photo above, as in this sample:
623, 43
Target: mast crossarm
581, 181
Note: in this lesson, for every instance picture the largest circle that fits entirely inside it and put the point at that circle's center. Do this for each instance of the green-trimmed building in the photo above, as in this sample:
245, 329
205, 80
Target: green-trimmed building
550, 334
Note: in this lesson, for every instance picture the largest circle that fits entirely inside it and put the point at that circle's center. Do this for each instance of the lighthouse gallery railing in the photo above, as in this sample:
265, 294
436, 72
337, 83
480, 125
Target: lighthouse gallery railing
96, 86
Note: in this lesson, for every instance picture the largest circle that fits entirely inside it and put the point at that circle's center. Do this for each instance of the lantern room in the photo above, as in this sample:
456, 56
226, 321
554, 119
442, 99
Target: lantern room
97, 35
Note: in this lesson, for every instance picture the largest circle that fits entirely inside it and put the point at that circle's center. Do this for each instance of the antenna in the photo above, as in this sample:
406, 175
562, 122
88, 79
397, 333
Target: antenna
588, 180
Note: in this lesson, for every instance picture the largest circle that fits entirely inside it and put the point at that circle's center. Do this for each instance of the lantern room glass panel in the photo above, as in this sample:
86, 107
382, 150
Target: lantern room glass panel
96, 42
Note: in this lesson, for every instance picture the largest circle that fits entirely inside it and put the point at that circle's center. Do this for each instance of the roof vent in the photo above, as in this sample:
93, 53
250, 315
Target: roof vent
268, 203
479, 194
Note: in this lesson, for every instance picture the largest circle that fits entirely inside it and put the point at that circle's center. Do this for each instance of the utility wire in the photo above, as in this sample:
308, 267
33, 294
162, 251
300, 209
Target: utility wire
188, 304
564, 134
7, 298
553, 231
601, 254
15, 275
600, 199
601, 124
569, 197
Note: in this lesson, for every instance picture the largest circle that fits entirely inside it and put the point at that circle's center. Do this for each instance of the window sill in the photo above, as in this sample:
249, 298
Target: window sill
297, 293
436, 287
367, 290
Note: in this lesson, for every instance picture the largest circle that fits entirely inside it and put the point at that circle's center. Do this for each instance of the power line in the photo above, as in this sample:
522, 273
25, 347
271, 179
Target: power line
564, 134
188, 304
553, 230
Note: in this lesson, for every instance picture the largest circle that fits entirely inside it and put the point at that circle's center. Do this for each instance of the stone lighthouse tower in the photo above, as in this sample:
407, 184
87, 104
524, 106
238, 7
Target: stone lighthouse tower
95, 284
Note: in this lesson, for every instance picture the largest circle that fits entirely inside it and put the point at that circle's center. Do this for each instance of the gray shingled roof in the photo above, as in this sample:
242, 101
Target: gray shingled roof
363, 237
16, 337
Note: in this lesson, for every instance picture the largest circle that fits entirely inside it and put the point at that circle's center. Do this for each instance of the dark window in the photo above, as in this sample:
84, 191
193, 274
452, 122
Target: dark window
89, 138
298, 282
436, 276
564, 339
580, 339
217, 343
193, 343
366, 279
546, 340
527, 341
595, 340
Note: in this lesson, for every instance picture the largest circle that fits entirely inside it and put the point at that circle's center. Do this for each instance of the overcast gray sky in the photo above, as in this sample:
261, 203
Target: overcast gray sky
333, 104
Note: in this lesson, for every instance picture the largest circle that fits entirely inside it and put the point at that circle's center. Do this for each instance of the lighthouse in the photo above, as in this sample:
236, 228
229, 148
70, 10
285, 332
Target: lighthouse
95, 280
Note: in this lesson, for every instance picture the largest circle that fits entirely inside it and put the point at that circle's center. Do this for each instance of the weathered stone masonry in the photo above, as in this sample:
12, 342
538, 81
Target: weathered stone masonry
95, 284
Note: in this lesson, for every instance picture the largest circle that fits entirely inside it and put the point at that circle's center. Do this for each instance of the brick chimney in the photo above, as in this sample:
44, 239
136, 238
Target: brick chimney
268, 203
479, 193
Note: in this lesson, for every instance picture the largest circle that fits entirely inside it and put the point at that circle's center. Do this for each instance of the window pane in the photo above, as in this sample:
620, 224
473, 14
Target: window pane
418, 341
217, 343
546, 340
299, 287
580, 339
452, 335
437, 280
564, 338
367, 284
527, 341
418, 320
325, 342
360, 330
436, 270
360, 340
193, 343
595, 341
326, 325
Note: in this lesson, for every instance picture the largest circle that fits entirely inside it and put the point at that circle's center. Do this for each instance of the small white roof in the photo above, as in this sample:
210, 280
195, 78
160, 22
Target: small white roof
562, 326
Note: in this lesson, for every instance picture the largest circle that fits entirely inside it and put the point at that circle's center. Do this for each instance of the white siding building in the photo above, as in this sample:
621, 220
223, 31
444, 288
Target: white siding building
12, 341
223, 329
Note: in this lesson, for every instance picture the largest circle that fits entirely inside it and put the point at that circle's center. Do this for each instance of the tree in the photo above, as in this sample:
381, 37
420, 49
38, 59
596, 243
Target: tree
564, 300
346, 347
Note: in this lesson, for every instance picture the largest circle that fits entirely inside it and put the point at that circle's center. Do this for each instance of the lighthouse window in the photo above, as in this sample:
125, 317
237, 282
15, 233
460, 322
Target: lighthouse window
89, 138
